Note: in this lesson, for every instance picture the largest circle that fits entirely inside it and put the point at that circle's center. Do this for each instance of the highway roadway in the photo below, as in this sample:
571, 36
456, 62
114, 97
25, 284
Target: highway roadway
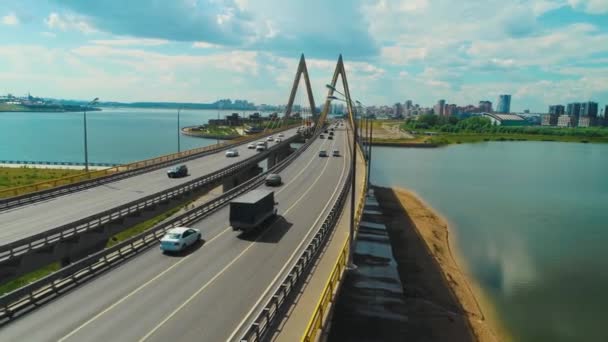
205, 293
37, 217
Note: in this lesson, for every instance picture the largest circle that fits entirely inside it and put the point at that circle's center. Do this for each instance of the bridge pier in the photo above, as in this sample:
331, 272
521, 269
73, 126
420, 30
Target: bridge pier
276, 156
241, 177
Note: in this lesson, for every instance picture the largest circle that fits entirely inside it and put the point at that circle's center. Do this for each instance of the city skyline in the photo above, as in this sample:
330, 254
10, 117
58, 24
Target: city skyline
542, 52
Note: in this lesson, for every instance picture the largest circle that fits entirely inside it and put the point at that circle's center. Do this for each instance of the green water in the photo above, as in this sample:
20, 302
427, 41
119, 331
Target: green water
531, 222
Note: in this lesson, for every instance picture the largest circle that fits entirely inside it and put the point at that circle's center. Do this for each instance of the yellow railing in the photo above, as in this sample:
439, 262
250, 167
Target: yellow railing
24, 189
319, 316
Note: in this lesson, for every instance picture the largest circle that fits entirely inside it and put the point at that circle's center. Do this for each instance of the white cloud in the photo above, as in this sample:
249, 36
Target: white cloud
10, 19
130, 42
204, 45
590, 6
68, 22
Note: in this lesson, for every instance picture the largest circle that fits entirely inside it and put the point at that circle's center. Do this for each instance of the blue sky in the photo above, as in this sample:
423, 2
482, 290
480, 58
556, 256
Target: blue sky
540, 51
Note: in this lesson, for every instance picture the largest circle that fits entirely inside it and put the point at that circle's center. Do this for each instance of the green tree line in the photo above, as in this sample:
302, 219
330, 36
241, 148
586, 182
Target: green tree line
479, 124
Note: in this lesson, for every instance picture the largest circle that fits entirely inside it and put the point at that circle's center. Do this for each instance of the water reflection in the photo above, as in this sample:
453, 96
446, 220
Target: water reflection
529, 219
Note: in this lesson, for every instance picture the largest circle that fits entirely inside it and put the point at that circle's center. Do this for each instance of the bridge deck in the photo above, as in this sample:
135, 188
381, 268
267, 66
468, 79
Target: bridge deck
299, 315
38, 217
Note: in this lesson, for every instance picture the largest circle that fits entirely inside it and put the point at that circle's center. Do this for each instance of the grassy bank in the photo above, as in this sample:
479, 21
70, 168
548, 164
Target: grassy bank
458, 138
142, 227
20, 176
28, 278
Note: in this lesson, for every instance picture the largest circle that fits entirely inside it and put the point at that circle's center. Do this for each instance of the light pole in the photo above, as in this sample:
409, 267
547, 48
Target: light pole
217, 141
86, 148
178, 132
351, 250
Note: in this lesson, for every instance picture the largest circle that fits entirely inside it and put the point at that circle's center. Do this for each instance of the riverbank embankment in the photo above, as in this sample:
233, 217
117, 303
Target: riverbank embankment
224, 135
442, 301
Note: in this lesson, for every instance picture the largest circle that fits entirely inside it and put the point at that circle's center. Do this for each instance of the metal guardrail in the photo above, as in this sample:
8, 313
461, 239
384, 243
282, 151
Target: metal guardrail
17, 196
61, 163
321, 313
54, 235
261, 325
83, 269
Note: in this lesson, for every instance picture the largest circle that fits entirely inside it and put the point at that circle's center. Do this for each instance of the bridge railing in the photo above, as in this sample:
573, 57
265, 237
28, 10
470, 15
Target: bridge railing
324, 305
69, 230
261, 323
70, 276
20, 195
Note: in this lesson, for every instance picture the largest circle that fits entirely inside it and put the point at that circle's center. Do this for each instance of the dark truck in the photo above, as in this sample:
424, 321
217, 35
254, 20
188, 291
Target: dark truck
249, 211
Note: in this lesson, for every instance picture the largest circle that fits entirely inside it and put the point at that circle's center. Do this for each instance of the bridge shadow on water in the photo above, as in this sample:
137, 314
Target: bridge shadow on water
398, 292
271, 232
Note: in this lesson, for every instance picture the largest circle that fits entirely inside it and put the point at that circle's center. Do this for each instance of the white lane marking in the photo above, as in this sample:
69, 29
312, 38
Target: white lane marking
202, 288
290, 260
165, 271
133, 292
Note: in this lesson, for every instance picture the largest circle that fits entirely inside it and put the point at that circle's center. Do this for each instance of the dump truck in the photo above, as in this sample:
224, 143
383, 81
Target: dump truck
252, 209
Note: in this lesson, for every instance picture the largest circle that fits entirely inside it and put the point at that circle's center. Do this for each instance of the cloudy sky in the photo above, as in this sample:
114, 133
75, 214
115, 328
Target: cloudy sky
540, 51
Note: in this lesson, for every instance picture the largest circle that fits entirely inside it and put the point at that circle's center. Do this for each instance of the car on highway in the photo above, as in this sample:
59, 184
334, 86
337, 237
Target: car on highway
322, 153
325, 131
177, 171
251, 146
232, 153
331, 137
321, 136
281, 135
335, 153
273, 179
260, 148
269, 138
331, 133
278, 140
178, 238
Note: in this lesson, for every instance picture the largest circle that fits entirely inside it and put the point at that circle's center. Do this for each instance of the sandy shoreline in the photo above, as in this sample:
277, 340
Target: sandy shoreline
433, 279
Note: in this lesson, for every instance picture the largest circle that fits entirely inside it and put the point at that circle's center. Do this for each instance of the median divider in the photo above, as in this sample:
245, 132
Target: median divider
17, 196
70, 276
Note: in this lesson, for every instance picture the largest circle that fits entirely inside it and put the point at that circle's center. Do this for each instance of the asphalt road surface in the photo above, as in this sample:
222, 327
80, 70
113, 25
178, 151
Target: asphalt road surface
205, 293
38, 217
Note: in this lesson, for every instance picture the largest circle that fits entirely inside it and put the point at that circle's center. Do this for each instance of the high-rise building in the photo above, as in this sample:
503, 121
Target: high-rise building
485, 106
504, 104
556, 110
398, 110
589, 109
573, 109
450, 109
439, 108
408, 104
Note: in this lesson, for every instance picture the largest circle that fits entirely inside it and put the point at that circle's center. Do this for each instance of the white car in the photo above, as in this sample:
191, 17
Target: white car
251, 146
178, 238
281, 135
269, 138
260, 148
278, 140
232, 153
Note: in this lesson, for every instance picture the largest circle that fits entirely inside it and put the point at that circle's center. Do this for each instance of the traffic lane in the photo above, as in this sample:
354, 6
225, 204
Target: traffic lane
37, 217
88, 300
177, 287
218, 309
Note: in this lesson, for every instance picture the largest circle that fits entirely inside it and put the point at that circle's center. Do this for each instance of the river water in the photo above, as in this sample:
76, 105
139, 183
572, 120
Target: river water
530, 220
114, 135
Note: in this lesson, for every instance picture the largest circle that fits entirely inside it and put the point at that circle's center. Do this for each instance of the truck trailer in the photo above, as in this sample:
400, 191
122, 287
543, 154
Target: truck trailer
250, 210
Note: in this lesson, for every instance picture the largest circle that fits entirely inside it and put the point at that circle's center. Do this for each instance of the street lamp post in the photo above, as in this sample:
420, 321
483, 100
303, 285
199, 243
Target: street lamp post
178, 132
351, 250
86, 148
